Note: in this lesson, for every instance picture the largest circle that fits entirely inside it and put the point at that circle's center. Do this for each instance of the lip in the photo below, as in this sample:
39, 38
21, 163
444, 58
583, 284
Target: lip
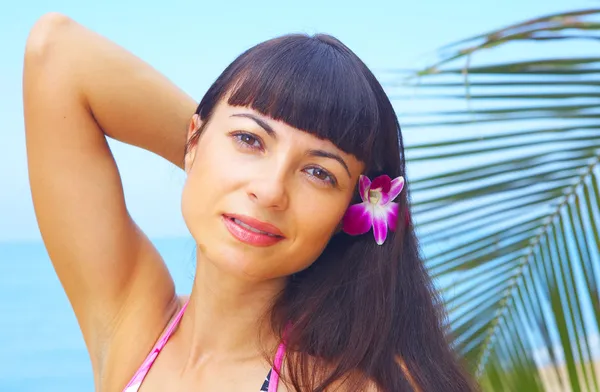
257, 224
250, 237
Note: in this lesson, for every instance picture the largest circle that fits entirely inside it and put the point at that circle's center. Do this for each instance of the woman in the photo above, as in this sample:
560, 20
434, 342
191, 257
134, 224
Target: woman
292, 157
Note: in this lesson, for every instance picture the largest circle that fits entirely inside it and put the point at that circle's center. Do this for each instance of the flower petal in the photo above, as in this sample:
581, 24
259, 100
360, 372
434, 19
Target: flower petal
380, 228
392, 215
396, 186
383, 182
363, 187
358, 219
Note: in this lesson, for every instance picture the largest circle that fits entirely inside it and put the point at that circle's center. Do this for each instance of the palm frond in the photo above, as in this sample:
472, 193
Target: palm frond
506, 200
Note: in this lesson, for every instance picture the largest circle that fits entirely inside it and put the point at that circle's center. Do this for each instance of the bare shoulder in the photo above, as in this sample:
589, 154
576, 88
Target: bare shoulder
370, 386
351, 382
407, 374
348, 385
125, 354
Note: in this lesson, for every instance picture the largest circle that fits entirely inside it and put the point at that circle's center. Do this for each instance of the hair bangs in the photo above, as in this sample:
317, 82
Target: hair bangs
311, 85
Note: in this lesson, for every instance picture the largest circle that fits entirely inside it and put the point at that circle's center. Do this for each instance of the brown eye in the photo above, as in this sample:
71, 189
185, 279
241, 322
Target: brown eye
247, 140
321, 175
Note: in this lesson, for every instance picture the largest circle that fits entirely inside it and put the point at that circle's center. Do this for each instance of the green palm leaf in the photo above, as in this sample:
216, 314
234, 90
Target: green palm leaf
508, 207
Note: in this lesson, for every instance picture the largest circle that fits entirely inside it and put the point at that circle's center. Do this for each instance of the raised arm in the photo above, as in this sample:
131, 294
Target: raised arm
78, 88
129, 100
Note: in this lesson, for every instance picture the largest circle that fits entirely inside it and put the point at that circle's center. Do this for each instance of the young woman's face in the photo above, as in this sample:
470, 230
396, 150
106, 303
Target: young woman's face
262, 198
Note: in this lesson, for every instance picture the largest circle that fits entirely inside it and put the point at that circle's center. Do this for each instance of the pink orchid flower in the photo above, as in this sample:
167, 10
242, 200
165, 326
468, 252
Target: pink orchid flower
377, 209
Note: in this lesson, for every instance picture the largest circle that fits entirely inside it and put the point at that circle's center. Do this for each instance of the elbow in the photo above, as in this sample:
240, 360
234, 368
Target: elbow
44, 36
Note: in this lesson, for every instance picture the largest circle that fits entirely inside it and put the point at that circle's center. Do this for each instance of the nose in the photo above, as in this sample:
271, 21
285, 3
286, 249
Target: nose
270, 190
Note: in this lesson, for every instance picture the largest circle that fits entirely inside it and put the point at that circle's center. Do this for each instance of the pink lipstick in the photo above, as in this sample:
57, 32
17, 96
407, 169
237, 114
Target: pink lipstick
252, 231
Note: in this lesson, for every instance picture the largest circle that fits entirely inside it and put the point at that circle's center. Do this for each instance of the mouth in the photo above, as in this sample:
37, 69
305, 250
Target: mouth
252, 231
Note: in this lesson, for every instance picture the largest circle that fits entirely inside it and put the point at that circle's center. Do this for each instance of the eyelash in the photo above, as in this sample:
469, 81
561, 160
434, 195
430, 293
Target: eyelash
332, 181
238, 139
237, 136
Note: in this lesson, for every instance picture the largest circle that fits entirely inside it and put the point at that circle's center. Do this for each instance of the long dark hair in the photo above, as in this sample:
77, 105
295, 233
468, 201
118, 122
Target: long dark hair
361, 313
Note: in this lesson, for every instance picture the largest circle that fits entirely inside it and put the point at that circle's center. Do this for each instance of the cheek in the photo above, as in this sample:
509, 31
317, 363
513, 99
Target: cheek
193, 200
316, 223
213, 184
205, 184
320, 218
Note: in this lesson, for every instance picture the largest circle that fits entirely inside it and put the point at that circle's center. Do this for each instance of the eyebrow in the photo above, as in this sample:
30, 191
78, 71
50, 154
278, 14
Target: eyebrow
327, 154
270, 131
313, 153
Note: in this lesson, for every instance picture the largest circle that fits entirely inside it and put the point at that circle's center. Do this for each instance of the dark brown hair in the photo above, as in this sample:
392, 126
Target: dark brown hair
360, 309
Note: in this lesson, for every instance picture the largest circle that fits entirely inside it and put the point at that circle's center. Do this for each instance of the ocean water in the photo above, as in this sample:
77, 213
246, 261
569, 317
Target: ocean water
41, 347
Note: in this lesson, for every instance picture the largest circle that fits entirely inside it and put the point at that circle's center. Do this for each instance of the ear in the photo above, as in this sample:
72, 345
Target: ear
194, 126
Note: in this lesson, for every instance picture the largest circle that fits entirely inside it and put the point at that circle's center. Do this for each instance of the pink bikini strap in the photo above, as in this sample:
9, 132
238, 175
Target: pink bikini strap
163, 340
141, 373
277, 364
274, 380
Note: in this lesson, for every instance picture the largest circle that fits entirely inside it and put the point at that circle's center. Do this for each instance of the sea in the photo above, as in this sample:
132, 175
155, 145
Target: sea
41, 347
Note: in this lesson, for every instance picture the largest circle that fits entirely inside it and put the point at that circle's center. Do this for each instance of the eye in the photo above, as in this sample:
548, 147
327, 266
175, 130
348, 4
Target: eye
321, 175
247, 140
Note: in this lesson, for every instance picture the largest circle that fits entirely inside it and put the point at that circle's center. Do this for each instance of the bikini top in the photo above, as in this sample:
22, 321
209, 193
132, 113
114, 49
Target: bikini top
270, 384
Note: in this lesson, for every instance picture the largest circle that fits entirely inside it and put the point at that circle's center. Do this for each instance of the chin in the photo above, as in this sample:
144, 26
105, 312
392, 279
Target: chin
241, 260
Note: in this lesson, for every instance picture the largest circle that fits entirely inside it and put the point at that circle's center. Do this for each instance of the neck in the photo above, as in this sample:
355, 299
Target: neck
228, 317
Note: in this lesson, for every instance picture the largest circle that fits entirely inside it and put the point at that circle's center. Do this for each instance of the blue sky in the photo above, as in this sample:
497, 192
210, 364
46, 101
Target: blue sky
193, 41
